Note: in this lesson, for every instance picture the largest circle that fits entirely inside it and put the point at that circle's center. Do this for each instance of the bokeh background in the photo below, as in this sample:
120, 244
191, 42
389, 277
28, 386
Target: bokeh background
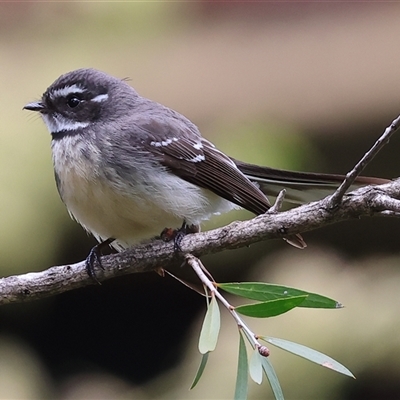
299, 85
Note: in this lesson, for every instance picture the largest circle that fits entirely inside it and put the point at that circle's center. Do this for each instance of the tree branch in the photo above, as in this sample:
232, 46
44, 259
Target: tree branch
369, 201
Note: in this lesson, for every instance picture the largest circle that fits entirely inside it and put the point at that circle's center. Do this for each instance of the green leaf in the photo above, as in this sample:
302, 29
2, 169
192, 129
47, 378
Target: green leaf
270, 308
267, 291
200, 371
272, 378
255, 367
309, 354
210, 329
242, 372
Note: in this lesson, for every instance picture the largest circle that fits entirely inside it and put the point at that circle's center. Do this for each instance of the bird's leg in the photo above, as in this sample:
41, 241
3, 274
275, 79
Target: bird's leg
178, 234
95, 256
181, 233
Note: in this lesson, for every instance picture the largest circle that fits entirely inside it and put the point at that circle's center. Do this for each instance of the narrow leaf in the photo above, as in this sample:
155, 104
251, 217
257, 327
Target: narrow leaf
272, 378
210, 329
267, 291
309, 354
255, 367
242, 372
270, 308
200, 371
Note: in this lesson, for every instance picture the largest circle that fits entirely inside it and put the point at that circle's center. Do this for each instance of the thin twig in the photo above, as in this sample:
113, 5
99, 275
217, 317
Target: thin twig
199, 268
337, 197
278, 202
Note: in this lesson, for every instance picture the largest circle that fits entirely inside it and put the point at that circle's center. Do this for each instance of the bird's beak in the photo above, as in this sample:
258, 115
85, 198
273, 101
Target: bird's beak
34, 106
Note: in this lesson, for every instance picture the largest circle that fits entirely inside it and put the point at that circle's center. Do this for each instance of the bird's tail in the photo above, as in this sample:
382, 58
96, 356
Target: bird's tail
301, 187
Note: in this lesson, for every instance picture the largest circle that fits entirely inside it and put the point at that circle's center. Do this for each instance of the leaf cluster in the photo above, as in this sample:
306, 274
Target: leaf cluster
272, 300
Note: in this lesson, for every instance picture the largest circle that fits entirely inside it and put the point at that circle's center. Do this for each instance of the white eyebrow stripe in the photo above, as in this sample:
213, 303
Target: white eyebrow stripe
65, 91
99, 98
57, 123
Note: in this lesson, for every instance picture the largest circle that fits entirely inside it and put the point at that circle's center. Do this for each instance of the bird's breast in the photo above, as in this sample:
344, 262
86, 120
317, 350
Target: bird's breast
98, 200
125, 206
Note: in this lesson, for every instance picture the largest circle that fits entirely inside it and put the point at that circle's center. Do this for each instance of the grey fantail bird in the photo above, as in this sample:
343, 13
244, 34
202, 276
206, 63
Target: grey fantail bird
126, 167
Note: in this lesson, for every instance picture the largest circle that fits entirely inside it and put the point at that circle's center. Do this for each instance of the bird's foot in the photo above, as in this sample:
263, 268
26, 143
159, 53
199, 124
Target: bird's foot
177, 235
95, 257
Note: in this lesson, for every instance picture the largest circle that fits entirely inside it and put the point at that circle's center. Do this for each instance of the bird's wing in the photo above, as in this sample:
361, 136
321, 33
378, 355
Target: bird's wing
186, 154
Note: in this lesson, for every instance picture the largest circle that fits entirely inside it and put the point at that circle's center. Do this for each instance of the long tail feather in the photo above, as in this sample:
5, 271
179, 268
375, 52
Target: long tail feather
301, 187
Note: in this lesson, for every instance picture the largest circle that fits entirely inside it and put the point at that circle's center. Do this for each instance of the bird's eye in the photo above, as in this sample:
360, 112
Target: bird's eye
73, 102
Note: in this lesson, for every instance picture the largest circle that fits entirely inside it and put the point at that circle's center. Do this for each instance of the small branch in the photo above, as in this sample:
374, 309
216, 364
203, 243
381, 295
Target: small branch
368, 201
198, 268
278, 202
337, 197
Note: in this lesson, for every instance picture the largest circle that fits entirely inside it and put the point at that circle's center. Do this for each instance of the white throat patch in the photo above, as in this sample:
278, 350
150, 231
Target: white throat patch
57, 123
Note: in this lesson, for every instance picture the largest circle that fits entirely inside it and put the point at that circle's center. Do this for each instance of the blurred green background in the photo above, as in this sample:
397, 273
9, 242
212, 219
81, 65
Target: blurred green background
306, 86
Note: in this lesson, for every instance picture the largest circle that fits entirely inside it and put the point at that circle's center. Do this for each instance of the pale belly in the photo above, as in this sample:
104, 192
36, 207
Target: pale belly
127, 209
136, 212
